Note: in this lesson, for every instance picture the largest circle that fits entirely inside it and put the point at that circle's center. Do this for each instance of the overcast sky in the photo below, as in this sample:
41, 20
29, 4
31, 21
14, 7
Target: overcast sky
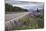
26, 4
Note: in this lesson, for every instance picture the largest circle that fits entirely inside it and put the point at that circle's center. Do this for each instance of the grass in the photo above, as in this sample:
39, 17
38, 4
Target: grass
25, 20
35, 22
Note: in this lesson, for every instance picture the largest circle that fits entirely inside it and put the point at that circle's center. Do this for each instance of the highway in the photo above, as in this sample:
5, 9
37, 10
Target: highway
11, 17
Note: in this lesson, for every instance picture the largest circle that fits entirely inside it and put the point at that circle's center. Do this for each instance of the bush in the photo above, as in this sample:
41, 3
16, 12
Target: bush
25, 20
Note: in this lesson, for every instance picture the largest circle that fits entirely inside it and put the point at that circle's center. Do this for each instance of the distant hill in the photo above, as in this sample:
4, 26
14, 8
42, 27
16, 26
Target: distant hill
10, 8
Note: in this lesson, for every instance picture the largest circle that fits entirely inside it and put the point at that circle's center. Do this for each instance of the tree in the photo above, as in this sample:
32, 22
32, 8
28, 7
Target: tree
10, 8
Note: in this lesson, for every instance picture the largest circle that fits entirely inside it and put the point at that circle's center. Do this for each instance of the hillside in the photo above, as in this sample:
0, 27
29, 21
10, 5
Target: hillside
10, 8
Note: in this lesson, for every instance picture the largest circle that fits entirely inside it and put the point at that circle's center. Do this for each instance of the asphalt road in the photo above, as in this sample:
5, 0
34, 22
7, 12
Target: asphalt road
10, 16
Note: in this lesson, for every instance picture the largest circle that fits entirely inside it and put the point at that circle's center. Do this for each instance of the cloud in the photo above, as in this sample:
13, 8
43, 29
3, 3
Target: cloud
14, 1
25, 4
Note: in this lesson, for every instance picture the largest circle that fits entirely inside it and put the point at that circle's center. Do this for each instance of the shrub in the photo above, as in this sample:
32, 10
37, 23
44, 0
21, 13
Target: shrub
25, 20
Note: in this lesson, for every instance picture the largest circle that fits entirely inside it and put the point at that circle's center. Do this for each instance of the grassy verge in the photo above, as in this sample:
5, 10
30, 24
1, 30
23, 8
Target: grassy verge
35, 22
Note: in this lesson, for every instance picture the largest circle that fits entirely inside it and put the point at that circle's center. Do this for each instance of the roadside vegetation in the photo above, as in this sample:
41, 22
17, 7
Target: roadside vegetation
36, 22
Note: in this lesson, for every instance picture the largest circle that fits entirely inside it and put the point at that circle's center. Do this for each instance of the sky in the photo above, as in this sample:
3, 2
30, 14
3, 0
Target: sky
26, 4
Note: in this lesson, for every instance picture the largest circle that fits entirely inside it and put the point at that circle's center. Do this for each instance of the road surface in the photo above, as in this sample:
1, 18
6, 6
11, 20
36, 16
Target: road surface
11, 17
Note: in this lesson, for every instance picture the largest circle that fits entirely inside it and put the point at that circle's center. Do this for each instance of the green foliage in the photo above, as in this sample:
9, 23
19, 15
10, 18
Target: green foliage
10, 8
35, 22
25, 20
40, 21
